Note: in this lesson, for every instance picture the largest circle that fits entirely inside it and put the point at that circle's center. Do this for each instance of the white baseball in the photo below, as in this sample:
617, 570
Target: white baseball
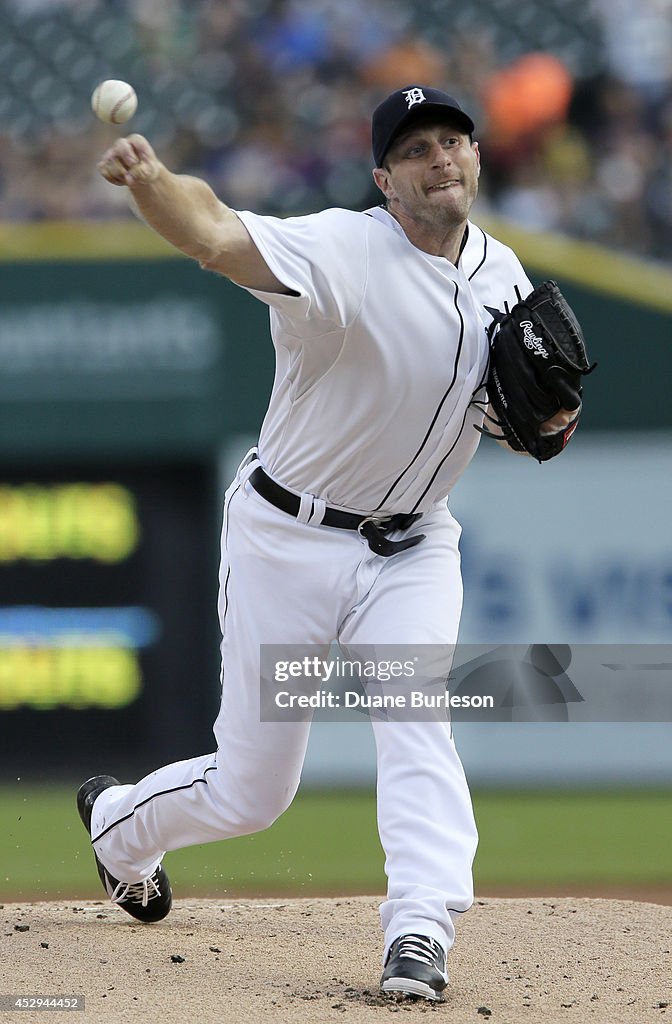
114, 102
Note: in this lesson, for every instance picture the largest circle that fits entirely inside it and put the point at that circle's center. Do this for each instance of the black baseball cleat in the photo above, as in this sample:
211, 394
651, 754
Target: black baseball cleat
149, 900
415, 966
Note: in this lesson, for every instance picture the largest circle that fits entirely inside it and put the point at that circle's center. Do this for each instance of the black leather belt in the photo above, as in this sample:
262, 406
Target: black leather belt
372, 528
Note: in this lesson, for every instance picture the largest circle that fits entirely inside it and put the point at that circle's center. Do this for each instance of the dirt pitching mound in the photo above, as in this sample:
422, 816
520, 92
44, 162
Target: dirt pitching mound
309, 961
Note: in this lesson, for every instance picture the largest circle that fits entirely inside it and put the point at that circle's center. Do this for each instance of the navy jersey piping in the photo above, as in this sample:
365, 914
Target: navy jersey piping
485, 255
441, 403
228, 570
448, 453
163, 792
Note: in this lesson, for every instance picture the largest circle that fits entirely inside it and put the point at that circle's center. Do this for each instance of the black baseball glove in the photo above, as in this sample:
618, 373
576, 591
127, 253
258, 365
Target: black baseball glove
537, 358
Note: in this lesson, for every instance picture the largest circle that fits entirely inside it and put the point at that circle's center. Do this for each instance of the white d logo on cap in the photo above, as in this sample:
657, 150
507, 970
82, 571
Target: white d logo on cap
414, 96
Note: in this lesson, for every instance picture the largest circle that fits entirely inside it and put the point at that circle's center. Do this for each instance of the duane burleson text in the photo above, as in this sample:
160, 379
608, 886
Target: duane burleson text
355, 699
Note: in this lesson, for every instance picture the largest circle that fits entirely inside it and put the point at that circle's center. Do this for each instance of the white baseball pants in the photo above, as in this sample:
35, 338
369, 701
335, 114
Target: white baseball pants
283, 581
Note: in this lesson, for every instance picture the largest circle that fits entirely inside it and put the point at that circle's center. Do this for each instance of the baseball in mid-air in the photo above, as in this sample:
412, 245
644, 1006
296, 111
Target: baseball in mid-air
114, 102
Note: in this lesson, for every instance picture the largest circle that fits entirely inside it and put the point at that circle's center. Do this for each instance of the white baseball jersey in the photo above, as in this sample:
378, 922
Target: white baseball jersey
381, 357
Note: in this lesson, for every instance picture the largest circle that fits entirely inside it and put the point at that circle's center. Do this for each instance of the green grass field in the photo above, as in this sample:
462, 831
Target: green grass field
327, 843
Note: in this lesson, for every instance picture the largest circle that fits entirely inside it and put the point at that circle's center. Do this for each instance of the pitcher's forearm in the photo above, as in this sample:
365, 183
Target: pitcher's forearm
186, 212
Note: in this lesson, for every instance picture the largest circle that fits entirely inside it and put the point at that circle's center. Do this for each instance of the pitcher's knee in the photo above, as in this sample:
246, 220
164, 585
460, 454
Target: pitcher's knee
250, 803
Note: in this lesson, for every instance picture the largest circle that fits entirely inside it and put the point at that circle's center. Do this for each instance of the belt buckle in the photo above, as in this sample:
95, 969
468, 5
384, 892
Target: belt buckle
377, 521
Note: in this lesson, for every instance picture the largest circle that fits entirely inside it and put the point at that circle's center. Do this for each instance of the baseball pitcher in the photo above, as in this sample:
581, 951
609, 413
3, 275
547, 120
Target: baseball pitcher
397, 331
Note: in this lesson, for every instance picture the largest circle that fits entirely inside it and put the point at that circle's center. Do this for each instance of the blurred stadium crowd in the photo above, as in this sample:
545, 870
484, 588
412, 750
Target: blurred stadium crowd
270, 101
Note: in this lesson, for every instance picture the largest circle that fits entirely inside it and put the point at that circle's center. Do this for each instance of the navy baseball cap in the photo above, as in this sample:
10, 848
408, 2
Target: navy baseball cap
402, 107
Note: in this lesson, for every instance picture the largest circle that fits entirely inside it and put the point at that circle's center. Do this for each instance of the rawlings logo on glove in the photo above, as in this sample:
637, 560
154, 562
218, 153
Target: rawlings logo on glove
532, 342
537, 359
